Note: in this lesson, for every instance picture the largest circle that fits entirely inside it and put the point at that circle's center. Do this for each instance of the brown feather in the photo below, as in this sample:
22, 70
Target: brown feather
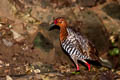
63, 34
93, 53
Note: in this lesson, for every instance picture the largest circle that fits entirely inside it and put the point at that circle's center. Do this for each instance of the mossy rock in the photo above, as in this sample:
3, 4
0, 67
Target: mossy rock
42, 42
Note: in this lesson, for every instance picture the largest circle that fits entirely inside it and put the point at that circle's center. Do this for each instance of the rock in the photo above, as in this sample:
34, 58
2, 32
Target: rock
74, 1
42, 68
106, 75
118, 72
45, 3
118, 1
42, 42
101, 1
93, 27
22, 79
0, 34
18, 27
7, 43
6, 9
17, 36
32, 30
8, 77
107, 14
113, 10
47, 77
7, 64
87, 3
0, 26
1, 63
37, 71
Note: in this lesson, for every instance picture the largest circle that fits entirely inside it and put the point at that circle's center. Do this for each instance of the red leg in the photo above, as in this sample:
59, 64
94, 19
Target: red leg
76, 63
77, 67
88, 65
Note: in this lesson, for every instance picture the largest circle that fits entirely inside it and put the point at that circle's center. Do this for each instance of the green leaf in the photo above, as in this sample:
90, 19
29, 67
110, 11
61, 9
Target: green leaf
75, 72
114, 51
111, 53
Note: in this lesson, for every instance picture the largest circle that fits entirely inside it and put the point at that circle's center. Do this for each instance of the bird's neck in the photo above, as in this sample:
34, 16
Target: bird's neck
63, 33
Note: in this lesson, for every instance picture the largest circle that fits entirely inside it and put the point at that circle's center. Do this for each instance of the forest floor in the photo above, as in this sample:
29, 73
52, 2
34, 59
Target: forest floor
28, 51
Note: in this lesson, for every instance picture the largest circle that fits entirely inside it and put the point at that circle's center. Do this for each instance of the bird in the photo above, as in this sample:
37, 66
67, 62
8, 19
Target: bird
78, 47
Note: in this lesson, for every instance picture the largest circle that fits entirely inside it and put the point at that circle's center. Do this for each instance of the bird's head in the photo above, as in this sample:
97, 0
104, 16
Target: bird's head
60, 22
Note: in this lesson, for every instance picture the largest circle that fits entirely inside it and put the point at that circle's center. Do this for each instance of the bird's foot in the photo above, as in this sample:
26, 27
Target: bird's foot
77, 67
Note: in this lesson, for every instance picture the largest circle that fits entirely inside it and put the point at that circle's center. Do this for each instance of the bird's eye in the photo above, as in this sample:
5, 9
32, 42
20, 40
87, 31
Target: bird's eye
61, 21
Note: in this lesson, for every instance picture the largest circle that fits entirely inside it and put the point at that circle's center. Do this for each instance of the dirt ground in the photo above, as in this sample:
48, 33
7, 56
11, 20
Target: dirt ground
28, 51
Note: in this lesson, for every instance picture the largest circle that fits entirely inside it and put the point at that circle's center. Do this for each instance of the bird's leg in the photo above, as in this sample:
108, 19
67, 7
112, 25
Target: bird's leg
88, 65
77, 67
76, 63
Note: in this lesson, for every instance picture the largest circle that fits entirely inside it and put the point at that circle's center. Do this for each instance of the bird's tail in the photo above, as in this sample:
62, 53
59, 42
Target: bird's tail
105, 63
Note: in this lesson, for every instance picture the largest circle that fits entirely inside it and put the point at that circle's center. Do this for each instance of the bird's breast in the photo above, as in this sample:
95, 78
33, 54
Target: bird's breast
72, 50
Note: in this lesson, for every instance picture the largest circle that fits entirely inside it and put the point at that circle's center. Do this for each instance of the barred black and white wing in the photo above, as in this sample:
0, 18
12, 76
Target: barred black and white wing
87, 47
78, 46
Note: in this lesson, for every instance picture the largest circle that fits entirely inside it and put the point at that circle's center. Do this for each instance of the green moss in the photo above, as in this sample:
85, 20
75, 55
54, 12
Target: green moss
42, 42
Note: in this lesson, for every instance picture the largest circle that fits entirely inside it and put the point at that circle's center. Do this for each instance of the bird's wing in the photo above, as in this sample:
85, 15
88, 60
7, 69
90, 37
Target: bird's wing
83, 45
87, 46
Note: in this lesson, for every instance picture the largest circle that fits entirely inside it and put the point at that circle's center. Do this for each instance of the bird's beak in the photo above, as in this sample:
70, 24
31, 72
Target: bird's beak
51, 26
